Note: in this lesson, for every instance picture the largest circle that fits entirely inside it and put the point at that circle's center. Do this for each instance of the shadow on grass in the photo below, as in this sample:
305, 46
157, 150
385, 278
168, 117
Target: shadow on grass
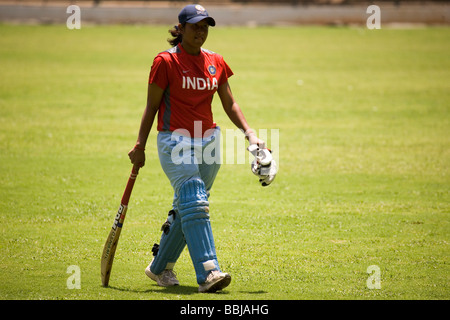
177, 290
254, 292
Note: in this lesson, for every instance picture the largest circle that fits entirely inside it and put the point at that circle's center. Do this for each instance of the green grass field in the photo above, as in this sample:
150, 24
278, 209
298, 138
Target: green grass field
363, 119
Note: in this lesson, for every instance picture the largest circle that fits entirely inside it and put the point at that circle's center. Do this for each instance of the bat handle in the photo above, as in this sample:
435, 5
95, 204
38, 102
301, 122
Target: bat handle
130, 184
135, 170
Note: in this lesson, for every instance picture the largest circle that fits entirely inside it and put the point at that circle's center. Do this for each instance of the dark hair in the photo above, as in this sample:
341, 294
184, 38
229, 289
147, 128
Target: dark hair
176, 34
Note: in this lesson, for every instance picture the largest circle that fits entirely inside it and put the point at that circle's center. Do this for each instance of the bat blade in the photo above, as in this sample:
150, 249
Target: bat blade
110, 247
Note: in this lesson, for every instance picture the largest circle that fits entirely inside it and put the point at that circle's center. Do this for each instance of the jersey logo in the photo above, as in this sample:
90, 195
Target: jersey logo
212, 70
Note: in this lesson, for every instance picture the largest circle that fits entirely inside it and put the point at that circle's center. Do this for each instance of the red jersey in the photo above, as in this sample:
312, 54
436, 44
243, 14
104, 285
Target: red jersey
189, 83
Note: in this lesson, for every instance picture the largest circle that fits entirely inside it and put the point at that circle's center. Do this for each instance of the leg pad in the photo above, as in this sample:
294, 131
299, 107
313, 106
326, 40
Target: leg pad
193, 207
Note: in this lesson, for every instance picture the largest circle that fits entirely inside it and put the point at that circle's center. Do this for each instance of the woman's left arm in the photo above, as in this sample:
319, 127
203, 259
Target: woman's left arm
235, 114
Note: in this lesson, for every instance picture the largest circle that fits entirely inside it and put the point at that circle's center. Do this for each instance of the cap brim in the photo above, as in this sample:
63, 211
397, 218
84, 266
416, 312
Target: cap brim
210, 20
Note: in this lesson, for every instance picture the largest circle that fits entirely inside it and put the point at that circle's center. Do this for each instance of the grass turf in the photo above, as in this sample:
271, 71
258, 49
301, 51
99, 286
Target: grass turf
363, 155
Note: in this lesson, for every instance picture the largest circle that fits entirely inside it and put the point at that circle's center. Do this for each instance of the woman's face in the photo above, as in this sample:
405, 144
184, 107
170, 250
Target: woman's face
195, 34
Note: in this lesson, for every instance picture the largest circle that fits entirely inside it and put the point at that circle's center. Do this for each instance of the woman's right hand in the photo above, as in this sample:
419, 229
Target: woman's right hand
137, 156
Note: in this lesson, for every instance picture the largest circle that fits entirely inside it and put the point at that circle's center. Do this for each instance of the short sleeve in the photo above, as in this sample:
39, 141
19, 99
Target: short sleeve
158, 73
226, 72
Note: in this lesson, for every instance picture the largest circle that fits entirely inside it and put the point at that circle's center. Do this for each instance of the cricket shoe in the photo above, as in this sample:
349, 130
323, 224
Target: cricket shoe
215, 281
166, 278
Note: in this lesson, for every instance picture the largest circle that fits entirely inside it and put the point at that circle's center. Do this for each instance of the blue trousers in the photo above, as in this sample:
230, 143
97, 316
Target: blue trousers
190, 164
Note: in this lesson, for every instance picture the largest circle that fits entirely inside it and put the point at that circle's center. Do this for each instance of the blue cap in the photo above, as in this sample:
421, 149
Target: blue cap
194, 13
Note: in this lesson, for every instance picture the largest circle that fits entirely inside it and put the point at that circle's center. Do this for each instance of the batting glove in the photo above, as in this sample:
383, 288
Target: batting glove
263, 166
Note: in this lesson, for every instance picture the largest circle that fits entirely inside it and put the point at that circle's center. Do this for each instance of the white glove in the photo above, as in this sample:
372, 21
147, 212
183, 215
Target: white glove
264, 166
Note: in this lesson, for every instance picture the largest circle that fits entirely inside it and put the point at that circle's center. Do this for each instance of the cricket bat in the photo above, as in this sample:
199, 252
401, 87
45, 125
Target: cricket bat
113, 238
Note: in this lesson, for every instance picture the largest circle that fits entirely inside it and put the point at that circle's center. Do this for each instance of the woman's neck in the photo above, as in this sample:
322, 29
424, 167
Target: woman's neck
194, 51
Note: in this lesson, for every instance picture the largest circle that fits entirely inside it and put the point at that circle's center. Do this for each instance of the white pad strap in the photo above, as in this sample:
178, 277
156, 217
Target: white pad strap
209, 265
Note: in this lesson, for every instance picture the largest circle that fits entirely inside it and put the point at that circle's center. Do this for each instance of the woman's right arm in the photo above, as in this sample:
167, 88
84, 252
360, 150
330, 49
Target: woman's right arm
154, 96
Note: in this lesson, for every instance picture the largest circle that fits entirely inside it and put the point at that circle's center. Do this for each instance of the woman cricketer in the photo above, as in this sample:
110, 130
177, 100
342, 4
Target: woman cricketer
182, 83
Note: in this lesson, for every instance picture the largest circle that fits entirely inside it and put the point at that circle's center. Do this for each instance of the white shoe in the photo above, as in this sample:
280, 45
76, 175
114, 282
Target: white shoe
215, 281
166, 278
